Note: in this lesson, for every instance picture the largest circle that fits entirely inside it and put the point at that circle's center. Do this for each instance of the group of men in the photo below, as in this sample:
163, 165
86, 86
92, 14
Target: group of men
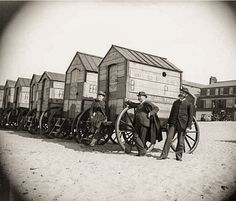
147, 125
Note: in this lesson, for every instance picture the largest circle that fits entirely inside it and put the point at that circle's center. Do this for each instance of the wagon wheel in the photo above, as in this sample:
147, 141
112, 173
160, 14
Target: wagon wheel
191, 138
73, 127
106, 131
113, 138
47, 120
21, 118
4, 117
82, 127
125, 130
11, 119
83, 134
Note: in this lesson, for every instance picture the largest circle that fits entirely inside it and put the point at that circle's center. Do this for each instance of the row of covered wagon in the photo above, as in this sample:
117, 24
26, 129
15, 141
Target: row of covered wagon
57, 105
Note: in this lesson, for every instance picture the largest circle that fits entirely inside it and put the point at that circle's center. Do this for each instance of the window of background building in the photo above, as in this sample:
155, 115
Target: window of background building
216, 91
231, 90
221, 91
203, 92
230, 103
208, 92
207, 104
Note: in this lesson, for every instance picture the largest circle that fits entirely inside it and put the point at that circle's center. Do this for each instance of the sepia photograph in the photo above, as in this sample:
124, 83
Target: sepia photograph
118, 100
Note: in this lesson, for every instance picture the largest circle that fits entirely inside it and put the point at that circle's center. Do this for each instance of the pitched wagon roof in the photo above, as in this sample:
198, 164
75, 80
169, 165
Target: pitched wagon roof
90, 62
54, 76
10, 83
24, 82
144, 58
222, 84
193, 84
36, 77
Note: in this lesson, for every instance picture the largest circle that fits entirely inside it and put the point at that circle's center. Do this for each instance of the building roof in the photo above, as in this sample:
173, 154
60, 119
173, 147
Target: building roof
54, 76
222, 84
10, 83
1, 87
24, 82
193, 84
90, 62
144, 58
35, 77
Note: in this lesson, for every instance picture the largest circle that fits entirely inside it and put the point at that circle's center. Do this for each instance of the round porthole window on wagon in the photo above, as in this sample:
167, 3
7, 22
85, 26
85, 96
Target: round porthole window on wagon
164, 74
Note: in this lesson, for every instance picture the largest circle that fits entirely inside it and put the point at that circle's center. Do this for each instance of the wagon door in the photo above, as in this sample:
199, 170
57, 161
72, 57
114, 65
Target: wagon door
113, 78
17, 96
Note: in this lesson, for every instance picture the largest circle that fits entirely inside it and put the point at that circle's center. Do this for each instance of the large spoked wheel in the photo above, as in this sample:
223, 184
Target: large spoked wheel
125, 130
47, 120
12, 119
21, 118
191, 138
82, 133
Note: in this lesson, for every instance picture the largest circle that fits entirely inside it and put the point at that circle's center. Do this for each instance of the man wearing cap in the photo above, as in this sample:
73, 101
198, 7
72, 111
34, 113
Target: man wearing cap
180, 121
97, 116
146, 123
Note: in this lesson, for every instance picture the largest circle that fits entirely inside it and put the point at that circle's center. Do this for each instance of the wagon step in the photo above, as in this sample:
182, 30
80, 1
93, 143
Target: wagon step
57, 127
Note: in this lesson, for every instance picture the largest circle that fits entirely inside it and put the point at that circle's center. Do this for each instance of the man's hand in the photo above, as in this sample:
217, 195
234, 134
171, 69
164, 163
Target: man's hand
187, 129
149, 115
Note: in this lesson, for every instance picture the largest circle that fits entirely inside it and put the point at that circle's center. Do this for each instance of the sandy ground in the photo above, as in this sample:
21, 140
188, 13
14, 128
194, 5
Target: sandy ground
54, 169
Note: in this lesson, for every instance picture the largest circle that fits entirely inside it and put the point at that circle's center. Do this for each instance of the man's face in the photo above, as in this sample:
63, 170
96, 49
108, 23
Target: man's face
100, 97
182, 95
141, 98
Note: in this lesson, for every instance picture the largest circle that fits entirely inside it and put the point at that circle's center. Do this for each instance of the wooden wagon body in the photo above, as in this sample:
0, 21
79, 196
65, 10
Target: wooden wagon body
8, 96
33, 97
1, 96
21, 95
81, 84
79, 92
20, 105
50, 91
124, 72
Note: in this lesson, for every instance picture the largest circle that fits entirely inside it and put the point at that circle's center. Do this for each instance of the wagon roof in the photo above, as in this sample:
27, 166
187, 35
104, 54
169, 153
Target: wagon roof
90, 62
145, 58
54, 76
36, 77
193, 84
10, 83
222, 84
24, 82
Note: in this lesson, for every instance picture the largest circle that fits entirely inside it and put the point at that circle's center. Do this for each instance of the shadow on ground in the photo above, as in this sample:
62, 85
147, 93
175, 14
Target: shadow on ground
109, 147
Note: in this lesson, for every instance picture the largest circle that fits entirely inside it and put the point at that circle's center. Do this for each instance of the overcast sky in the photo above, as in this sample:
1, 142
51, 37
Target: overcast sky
198, 37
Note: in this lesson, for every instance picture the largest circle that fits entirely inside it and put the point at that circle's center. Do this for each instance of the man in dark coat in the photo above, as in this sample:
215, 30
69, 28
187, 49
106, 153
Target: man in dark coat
180, 121
146, 123
97, 116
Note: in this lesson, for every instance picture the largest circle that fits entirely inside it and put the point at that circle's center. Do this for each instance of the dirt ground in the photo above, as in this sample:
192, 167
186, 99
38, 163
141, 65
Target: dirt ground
56, 169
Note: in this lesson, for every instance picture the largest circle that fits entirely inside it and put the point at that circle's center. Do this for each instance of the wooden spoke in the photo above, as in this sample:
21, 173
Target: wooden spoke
189, 137
188, 143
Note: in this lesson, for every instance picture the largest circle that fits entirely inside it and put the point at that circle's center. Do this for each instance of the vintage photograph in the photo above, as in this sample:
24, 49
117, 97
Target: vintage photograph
117, 100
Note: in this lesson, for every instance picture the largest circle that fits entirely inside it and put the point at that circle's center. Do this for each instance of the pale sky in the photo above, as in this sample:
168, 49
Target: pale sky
198, 37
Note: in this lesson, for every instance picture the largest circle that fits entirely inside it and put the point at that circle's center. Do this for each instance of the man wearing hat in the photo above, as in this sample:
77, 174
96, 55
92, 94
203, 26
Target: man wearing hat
180, 121
97, 116
146, 123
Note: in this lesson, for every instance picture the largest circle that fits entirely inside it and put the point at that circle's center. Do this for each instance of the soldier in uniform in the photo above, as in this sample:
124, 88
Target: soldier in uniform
97, 116
180, 121
146, 123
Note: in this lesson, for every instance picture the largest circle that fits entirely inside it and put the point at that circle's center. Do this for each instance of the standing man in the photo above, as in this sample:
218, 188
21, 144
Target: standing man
146, 123
180, 121
98, 116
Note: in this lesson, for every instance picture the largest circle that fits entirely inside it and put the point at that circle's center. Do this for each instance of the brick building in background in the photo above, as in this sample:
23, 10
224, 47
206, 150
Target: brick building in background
217, 101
